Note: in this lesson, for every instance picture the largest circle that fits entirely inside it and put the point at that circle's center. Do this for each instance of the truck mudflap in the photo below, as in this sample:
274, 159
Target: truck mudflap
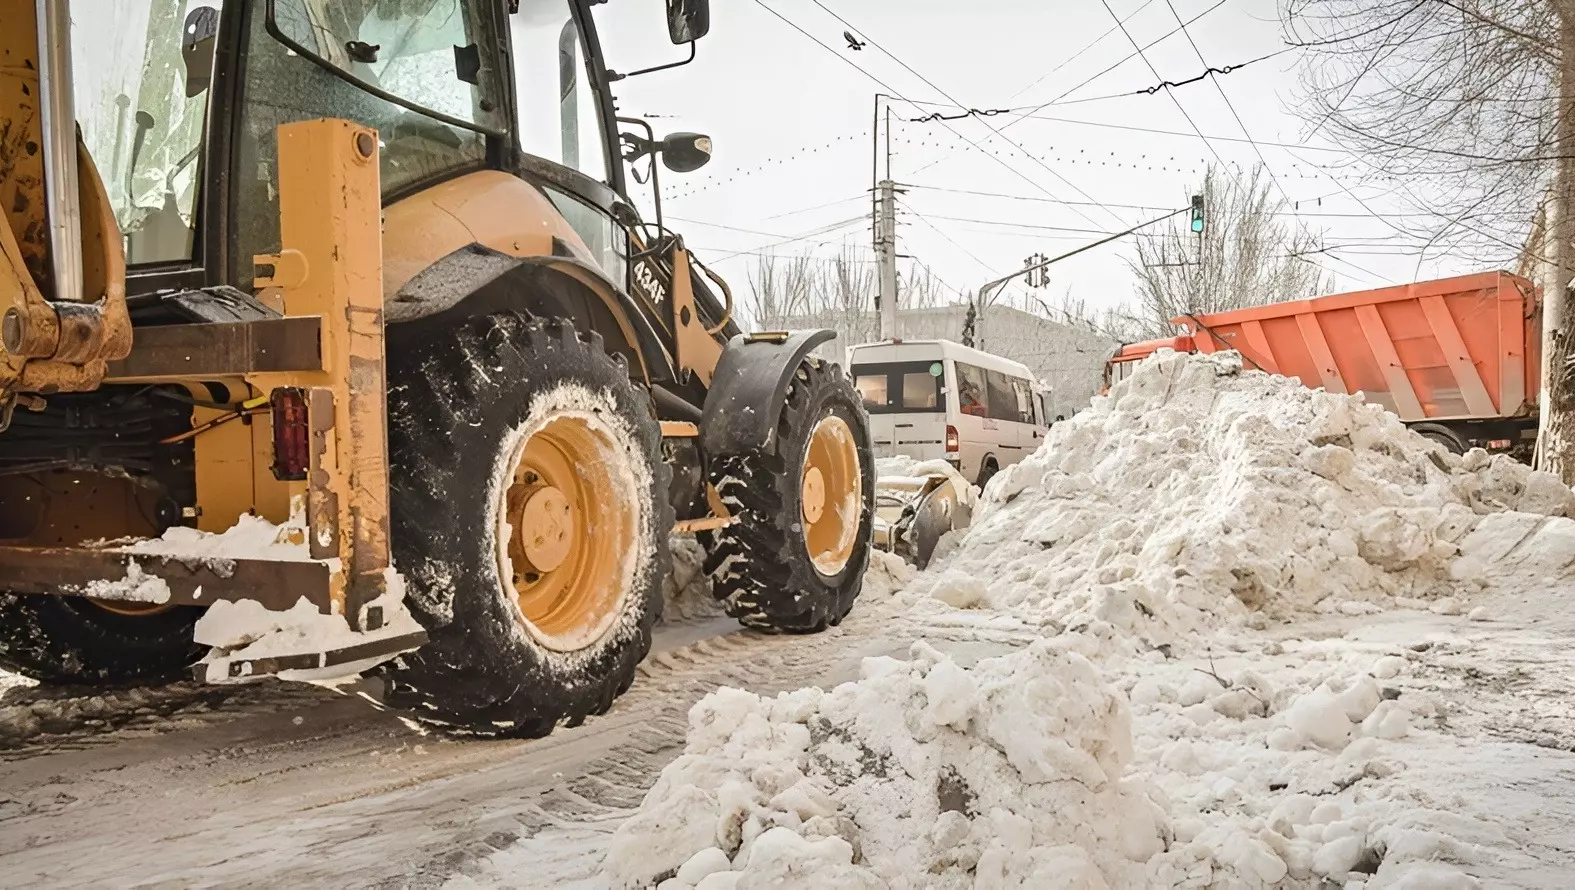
266, 617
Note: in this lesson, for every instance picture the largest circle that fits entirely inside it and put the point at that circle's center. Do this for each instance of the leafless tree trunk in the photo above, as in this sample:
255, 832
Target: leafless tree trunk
1556, 436
1466, 109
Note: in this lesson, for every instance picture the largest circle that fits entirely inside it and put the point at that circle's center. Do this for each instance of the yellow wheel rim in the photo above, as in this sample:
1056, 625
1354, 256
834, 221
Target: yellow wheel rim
568, 522
121, 607
831, 494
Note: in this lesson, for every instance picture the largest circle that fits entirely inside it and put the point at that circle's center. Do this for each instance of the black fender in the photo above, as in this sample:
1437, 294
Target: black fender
748, 389
477, 280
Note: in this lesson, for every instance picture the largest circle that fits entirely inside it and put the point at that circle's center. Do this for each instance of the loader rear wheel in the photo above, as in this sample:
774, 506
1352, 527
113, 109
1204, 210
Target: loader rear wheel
530, 519
69, 639
794, 560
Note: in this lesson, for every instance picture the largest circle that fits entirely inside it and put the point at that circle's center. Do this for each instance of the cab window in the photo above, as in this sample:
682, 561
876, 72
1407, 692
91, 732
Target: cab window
559, 115
1025, 400
429, 55
141, 94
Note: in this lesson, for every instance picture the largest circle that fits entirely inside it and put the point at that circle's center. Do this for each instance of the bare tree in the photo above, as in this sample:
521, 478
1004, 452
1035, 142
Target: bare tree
1118, 324
1248, 254
836, 292
1466, 108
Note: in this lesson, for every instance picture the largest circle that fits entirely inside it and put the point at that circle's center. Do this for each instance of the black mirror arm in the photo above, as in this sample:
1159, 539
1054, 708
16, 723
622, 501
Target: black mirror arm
614, 77
648, 146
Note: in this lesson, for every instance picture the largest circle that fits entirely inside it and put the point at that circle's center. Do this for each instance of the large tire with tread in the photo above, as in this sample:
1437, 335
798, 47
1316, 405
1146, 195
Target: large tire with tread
761, 566
69, 639
460, 402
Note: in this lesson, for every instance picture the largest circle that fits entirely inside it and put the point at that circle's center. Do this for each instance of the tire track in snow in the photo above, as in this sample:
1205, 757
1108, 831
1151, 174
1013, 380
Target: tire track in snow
327, 791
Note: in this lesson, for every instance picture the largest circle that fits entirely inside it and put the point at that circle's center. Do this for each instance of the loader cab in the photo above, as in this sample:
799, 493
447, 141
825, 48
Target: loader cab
178, 102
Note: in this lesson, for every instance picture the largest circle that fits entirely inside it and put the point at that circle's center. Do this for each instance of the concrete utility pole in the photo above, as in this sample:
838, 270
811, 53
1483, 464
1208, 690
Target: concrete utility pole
886, 254
883, 219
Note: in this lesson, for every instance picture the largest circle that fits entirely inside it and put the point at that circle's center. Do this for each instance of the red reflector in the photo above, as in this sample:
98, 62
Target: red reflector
1499, 445
952, 442
291, 435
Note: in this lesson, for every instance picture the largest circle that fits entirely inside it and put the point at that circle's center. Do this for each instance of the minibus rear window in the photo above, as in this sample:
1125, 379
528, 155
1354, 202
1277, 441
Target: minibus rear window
901, 387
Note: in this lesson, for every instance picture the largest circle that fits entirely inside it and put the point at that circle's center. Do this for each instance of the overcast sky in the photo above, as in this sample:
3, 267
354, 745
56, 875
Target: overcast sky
792, 130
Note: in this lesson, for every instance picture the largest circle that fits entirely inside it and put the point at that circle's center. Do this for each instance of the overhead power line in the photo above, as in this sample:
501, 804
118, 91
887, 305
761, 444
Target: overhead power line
932, 85
1069, 60
1228, 104
1156, 73
1091, 78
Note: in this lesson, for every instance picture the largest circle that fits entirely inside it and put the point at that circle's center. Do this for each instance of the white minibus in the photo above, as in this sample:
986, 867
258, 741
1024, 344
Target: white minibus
934, 399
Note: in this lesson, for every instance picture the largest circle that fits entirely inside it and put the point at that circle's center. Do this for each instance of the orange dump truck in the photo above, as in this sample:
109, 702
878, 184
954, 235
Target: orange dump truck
1458, 359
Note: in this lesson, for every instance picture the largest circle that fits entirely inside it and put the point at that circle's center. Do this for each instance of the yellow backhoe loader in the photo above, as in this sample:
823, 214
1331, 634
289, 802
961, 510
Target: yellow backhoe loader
364, 277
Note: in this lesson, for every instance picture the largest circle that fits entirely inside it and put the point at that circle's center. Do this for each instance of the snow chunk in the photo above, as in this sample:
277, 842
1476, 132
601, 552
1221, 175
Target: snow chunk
1013, 770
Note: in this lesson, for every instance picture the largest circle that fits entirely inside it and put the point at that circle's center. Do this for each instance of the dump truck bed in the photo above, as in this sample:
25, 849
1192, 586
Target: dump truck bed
1465, 348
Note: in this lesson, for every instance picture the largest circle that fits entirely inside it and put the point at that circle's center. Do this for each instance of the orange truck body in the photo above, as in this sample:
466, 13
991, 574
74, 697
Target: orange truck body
1456, 357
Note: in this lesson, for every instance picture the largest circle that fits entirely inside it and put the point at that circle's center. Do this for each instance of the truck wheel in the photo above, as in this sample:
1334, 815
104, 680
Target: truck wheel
1443, 435
794, 560
987, 472
69, 639
530, 520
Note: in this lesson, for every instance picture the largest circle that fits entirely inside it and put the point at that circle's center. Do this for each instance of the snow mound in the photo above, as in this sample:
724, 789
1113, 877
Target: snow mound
1196, 490
922, 773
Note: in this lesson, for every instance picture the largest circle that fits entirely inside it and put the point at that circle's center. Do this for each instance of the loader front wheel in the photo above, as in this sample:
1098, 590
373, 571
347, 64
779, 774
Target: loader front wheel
530, 519
69, 639
794, 559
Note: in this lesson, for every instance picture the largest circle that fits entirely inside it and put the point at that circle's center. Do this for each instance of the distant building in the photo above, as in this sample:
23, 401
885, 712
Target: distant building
1070, 360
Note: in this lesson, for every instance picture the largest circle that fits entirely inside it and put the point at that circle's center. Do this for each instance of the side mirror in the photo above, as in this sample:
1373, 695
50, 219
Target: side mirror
688, 20
197, 40
685, 152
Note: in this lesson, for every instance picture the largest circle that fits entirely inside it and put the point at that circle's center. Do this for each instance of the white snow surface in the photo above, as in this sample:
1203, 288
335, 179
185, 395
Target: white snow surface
1194, 478
1199, 570
1013, 770
252, 537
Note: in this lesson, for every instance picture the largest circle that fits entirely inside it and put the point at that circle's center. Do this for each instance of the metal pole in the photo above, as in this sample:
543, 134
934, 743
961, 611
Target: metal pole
58, 122
887, 257
875, 175
886, 235
986, 294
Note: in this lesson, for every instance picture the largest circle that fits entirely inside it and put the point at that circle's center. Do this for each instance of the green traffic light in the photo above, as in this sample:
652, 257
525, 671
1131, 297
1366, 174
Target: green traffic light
1197, 213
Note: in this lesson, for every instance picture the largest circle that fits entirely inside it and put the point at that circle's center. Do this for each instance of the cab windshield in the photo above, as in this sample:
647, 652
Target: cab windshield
424, 55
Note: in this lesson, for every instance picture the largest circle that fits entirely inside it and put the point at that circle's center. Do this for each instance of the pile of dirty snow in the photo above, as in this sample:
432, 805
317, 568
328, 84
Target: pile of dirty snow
921, 773
1196, 491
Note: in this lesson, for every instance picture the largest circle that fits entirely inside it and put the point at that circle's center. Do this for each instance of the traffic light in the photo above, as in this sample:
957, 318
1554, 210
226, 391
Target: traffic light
1197, 213
1036, 277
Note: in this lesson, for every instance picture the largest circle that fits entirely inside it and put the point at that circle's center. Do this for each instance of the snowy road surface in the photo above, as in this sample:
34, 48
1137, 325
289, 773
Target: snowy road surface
297, 786
282, 785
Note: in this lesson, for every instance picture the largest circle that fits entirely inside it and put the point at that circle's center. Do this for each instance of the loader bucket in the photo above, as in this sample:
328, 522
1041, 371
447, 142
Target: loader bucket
913, 513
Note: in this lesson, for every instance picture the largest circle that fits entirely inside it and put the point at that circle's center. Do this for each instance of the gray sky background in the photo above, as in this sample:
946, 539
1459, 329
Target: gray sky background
791, 126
